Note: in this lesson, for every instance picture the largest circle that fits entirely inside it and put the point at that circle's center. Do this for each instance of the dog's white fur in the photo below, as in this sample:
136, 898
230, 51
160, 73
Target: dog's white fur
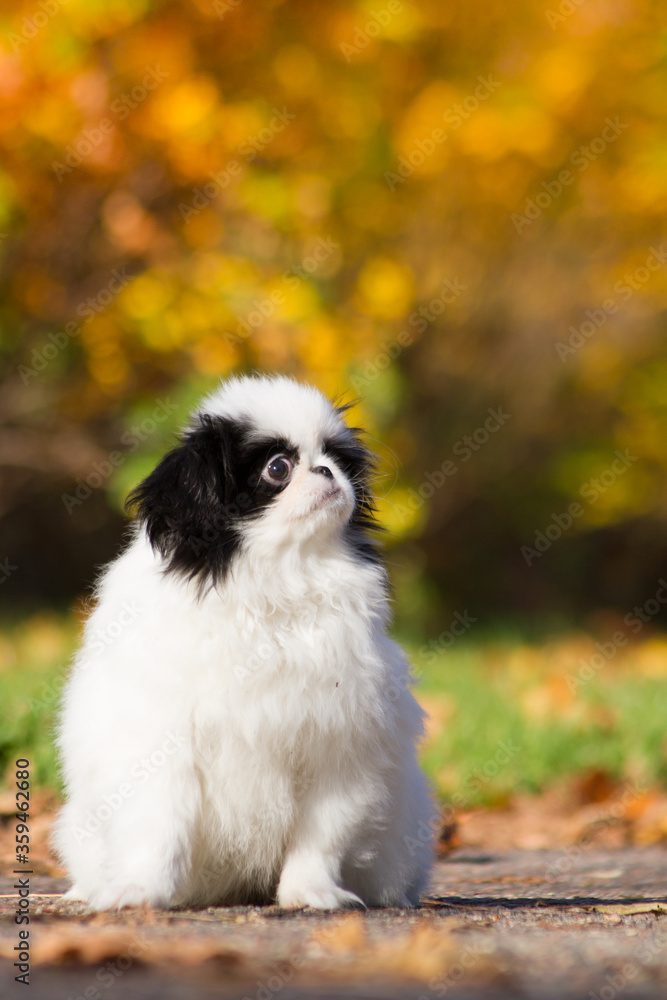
256, 741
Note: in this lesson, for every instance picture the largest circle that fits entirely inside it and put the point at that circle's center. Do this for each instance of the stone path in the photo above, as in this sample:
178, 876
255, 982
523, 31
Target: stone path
553, 925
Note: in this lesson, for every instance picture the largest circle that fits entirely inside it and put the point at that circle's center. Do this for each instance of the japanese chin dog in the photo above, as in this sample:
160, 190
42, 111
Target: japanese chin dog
238, 727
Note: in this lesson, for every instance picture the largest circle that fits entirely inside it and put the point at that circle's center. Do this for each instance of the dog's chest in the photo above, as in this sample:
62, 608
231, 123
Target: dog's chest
304, 649
291, 658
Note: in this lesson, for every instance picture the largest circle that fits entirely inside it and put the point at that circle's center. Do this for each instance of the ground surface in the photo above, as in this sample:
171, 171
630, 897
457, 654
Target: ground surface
578, 922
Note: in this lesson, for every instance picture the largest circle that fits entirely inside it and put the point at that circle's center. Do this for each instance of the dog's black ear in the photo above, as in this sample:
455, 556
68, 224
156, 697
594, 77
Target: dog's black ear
187, 504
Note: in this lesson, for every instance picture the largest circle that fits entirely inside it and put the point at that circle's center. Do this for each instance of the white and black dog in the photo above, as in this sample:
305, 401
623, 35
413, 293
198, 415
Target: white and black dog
238, 727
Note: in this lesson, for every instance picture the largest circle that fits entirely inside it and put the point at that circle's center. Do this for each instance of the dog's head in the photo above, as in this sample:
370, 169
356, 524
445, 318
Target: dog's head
267, 463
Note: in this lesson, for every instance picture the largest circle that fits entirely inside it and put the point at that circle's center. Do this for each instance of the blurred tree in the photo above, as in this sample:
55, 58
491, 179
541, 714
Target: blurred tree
457, 218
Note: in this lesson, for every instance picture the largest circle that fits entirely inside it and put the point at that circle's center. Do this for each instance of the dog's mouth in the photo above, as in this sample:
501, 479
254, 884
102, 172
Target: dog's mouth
331, 495
332, 499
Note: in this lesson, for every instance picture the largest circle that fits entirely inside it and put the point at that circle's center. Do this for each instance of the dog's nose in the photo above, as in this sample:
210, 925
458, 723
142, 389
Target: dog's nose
324, 470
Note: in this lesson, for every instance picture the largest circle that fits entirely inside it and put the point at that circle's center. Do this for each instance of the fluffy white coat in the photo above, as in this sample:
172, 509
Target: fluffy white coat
257, 741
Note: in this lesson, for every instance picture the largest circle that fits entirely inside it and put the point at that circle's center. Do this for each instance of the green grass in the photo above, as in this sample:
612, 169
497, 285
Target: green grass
504, 716
34, 655
515, 717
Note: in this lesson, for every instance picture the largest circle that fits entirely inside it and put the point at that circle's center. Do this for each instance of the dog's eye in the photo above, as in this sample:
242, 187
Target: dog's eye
278, 469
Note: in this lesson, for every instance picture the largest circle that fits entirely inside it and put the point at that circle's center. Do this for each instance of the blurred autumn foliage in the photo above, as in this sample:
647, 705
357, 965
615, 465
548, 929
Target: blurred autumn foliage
455, 214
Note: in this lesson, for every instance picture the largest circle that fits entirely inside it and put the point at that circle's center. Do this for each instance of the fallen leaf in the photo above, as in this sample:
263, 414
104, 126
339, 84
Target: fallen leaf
348, 934
624, 909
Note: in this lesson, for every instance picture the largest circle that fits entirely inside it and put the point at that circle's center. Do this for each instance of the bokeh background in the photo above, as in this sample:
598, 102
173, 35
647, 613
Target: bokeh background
456, 215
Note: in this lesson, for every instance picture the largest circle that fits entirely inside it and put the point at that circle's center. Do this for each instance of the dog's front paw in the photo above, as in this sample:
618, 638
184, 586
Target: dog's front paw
115, 897
319, 895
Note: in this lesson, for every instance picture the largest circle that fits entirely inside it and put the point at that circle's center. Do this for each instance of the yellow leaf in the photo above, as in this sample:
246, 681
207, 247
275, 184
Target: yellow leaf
385, 288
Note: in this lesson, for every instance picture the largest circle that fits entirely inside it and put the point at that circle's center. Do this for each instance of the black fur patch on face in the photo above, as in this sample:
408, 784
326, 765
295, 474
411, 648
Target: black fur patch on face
194, 503
357, 462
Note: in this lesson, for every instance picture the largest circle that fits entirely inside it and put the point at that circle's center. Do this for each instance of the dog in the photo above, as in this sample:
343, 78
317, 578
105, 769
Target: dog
238, 727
